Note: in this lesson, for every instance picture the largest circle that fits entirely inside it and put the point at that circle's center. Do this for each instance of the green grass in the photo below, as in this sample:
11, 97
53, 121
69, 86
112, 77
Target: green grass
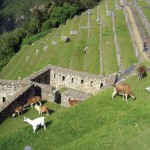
126, 48
78, 54
97, 123
145, 8
108, 45
71, 55
6, 71
75, 23
93, 52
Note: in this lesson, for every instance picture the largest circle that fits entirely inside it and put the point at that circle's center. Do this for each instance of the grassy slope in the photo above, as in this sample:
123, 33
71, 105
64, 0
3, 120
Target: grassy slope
71, 55
19, 7
98, 123
93, 43
108, 46
125, 44
145, 8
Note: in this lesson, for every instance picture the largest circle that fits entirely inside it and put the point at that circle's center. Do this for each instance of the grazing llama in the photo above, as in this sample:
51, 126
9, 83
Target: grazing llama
36, 122
33, 100
42, 109
122, 89
141, 72
18, 110
73, 101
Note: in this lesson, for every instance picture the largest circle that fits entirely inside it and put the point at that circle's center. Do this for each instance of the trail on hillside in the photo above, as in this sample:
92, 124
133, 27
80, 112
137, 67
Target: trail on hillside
136, 34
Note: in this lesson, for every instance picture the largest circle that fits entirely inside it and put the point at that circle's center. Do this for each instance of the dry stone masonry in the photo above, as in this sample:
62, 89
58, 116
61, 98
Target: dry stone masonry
48, 83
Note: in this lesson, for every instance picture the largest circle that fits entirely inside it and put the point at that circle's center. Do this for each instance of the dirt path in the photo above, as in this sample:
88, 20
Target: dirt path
137, 37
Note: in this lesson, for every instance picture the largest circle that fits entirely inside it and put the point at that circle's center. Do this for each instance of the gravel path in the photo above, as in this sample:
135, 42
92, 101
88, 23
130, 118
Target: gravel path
138, 32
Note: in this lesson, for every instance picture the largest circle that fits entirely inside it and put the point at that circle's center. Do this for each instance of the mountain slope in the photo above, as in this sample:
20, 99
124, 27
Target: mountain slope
97, 123
14, 12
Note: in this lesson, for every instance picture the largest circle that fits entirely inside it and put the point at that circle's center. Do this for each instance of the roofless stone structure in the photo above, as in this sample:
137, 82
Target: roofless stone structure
47, 82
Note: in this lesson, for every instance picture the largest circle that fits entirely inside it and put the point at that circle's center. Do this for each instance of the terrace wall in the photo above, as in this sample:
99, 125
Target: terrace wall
8, 88
19, 98
142, 17
43, 83
61, 77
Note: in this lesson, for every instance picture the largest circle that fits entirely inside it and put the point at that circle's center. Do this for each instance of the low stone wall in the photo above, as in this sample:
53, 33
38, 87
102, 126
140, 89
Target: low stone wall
8, 88
142, 17
41, 76
82, 81
7, 108
46, 91
59, 77
73, 94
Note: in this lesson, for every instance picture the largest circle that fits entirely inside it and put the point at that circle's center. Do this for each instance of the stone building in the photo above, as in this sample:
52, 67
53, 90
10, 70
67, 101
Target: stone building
48, 83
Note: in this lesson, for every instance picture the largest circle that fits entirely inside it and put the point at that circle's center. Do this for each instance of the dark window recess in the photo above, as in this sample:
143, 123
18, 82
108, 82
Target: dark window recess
54, 75
72, 80
39, 80
82, 81
101, 85
91, 83
4, 99
63, 78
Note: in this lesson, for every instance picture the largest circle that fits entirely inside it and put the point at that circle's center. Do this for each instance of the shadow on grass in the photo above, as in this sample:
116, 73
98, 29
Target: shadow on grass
24, 112
43, 102
46, 123
50, 111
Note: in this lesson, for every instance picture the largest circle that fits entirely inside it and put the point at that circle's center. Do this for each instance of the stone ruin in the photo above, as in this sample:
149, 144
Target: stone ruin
48, 83
73, 32
65, 39
54, 42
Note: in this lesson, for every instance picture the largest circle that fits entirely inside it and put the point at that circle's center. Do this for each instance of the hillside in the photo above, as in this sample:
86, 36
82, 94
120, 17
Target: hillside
14, 12
102, 38
97, 123
113, 41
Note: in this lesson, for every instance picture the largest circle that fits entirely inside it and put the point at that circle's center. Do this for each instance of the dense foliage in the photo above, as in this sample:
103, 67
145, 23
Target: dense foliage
40, 20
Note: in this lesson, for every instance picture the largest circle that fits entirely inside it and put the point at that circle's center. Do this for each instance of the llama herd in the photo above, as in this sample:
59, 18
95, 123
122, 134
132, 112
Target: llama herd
32, 101
119, 89
40, 108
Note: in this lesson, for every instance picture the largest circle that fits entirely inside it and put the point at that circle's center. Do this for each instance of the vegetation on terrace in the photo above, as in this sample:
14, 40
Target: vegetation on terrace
145, 8
34, 23
98, 122
71, 55
123, 36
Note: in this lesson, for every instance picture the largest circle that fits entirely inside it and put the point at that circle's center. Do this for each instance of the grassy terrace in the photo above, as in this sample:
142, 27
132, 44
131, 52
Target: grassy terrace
145, 8
93, 43
7, 69
108, 46
78, 54
20, 61
67, 52
56, 52
97, 123
126, 47
28, 67
45, 55
71, 55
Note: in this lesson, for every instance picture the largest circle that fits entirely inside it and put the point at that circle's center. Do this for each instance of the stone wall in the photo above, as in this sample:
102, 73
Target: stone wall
62, 77
19, 98
89, 83
8, 88
142, 17
41, 76
73, 94
46, 91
